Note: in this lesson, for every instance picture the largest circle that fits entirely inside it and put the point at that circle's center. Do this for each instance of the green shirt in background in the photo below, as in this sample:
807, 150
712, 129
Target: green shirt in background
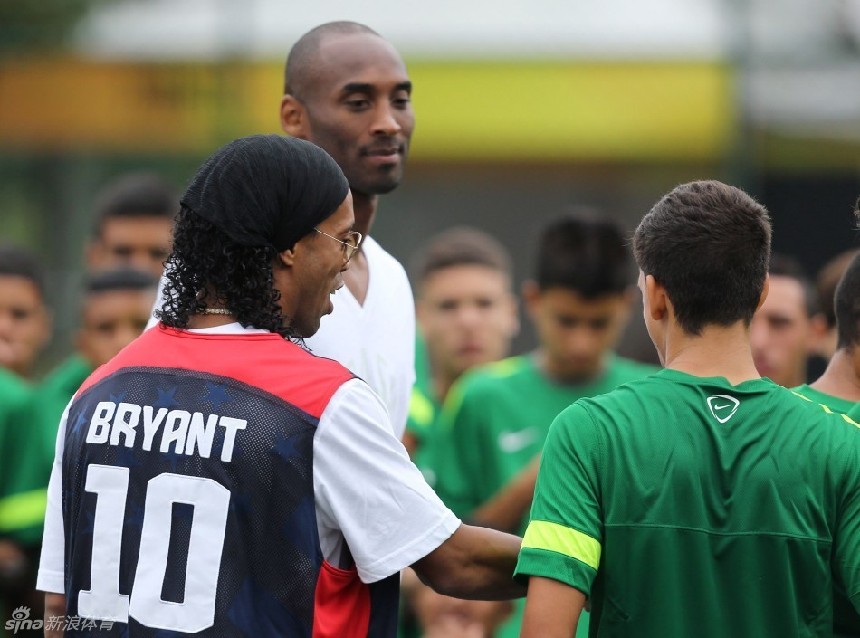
27, 441
842, 406
846, 620
22, 492
495, 422
685, 506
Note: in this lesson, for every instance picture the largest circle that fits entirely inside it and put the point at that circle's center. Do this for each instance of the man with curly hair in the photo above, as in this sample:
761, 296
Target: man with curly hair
216, 476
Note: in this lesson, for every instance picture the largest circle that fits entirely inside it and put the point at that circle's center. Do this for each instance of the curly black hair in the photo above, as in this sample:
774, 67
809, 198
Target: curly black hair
204, 259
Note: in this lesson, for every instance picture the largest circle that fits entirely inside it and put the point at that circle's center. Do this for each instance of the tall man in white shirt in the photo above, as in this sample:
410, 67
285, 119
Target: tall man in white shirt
347, 91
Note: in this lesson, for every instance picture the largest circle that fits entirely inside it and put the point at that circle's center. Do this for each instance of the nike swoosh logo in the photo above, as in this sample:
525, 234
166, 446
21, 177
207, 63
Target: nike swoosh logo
515, 441
723, 407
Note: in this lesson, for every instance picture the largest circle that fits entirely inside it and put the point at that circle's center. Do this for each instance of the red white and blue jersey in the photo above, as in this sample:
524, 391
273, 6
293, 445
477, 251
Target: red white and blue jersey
229, 483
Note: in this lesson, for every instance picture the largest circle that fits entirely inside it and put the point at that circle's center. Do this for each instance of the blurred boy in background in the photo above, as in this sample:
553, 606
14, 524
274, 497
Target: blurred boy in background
467, 315
134, 222
496, 419
25, 329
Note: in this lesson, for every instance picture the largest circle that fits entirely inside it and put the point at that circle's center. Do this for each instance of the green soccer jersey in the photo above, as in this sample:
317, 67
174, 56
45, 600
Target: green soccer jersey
685, 506
22, 500
495, 422
423, 423
842, 406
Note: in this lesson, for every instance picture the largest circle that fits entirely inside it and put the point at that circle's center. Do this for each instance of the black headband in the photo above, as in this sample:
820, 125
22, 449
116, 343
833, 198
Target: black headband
267, 190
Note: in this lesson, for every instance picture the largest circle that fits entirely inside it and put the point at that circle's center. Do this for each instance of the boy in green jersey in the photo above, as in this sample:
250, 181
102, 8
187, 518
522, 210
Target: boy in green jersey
24, 463
839, 387
467, 315
704, 500
496, 419
115, 308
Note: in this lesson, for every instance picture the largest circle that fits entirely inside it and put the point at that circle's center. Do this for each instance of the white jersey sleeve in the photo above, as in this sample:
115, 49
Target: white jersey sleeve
51, 576
369, 495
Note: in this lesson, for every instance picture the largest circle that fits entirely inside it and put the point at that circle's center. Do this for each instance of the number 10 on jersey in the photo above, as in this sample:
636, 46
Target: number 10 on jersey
102, 601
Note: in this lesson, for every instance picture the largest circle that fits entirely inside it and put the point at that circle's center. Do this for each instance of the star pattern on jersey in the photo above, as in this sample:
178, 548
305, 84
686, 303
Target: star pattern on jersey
80, 420
216, 395
119, 397
166, 397
286, 447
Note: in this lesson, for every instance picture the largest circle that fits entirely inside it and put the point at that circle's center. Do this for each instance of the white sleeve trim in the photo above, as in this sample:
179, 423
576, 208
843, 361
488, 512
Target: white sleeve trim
368, 492
51, 577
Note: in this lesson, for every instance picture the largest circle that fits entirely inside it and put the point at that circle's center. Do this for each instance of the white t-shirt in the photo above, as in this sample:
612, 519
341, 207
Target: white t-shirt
367, 492
376, 340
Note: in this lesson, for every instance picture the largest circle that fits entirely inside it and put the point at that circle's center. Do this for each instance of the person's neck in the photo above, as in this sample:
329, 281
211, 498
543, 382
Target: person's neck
841, 379
357, 278
201, 322
557, 373
364, 207
718, 351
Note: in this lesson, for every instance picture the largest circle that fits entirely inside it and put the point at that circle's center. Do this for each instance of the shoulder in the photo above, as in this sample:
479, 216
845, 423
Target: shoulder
14, 391
383, 263
628, 369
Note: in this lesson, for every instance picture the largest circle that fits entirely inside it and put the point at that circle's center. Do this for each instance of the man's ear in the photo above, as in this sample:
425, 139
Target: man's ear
294, 117
286, 258
764, 292
657, 302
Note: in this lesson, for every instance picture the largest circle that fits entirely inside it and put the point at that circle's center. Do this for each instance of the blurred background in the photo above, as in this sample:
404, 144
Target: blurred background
523, 110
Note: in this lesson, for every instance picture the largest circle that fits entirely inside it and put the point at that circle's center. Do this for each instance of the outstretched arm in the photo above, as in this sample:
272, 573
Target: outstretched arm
474, 563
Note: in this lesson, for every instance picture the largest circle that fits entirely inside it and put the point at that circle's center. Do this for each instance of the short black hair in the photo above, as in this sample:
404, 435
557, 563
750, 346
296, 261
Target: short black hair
847, 306
782, 265
303, 58
118, 279
825, 284
708, 244
459, 246
583, 252
135, 195
16, 261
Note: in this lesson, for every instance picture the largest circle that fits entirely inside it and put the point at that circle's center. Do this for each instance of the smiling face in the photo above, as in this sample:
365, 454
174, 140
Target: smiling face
358, 109
311, 271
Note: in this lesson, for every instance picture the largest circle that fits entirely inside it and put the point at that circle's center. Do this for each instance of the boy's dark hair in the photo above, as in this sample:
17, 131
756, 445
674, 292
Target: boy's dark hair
460, 246
825, 284
782, 265
583, 253
135, 195
709, 245
20, 262
847, 306
118, 279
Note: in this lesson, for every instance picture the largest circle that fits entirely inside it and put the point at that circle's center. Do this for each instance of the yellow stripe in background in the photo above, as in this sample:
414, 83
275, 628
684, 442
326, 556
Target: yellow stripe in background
23, 510
556, 110
563, 540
